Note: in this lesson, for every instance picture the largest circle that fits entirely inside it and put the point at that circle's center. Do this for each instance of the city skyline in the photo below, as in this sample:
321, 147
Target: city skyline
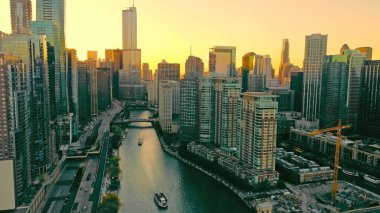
203, 31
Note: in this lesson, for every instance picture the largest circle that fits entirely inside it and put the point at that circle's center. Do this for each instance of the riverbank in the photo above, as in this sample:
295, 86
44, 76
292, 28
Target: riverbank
175, 154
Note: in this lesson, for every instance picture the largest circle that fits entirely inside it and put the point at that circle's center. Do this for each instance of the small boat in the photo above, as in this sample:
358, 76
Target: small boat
350, 173
140, 142
123, 136
371, 179
161, 200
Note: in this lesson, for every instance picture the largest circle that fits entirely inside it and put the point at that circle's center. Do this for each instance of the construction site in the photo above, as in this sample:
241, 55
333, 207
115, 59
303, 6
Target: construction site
316, 197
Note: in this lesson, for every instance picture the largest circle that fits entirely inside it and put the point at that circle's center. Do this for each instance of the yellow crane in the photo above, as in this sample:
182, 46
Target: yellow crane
339, 128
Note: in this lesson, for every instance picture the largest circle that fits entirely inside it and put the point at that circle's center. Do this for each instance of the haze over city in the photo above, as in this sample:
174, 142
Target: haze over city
168, 28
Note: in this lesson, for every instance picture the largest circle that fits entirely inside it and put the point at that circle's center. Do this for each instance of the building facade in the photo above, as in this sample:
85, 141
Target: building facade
169, 107
315, 51
21, 15
222, 61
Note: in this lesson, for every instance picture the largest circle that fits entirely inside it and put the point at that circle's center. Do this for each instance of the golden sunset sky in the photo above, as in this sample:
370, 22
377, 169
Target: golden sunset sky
167, 28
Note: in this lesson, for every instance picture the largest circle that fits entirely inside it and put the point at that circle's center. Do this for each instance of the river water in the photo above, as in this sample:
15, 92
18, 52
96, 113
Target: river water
148, 169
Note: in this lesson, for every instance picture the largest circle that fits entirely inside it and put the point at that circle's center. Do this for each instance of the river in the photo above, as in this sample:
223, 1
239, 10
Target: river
148, 169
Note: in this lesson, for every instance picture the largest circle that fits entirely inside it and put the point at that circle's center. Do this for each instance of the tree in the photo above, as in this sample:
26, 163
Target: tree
110, 204
114, 161
117, 132
114, 171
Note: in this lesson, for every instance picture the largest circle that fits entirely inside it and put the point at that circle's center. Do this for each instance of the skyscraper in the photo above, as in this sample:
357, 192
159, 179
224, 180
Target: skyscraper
222, 61
284, 60
93, 92
83, 92
168, 71
53, 12
130, 28
218, 108
315, 51
296, 84
21, 15
369, 109
189, 92
355, 65
194, 68
146, 72
334, 91
258, 130
344, 48
104, 88
248, 61
72, 88
15, 123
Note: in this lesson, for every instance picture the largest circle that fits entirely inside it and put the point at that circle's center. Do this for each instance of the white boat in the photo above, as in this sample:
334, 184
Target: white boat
371, 179
140, 142
350, 173
161, 200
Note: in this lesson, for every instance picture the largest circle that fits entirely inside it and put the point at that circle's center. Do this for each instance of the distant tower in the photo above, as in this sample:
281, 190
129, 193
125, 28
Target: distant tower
344, 48
284, 60
366, 50
21, 15
130, 28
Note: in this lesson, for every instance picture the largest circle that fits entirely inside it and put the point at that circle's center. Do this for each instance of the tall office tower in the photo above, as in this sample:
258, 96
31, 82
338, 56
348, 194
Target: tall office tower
258, 130
334, 91
284, 60
130, 28
15, 125
222, 61
248, 61
168, 71
355, 65
21, 15
93, 91
226, 92
32, 51
115, 56
270, 80
83, 92
366, 50
169, 106
344, 48
72, 88
146, 72
51, 22
315, 51
194, 68
287, 69
104, 88
296, 84
369, 110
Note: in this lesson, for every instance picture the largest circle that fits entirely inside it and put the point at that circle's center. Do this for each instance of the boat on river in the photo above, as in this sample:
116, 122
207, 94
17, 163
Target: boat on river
161, 200
140, 142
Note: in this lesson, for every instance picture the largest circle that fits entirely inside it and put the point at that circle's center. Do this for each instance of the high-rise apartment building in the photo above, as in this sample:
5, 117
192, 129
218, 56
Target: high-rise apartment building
315, 51
169, 107
72, 88
226, 92
367, 51
218, 108
258, 130
334, 91
21, 15
369, 108
222, 61
15, 126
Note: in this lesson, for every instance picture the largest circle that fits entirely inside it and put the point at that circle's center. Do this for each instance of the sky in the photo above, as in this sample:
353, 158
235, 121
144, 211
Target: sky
168, 28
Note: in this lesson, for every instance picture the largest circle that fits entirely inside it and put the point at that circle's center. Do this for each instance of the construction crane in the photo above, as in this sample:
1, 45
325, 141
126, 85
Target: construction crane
334, 188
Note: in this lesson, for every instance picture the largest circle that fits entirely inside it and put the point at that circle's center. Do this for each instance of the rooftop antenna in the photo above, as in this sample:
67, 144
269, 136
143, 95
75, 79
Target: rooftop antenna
133, 3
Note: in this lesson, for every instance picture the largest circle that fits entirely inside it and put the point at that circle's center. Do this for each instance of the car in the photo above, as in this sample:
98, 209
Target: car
86, 190
84, 208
